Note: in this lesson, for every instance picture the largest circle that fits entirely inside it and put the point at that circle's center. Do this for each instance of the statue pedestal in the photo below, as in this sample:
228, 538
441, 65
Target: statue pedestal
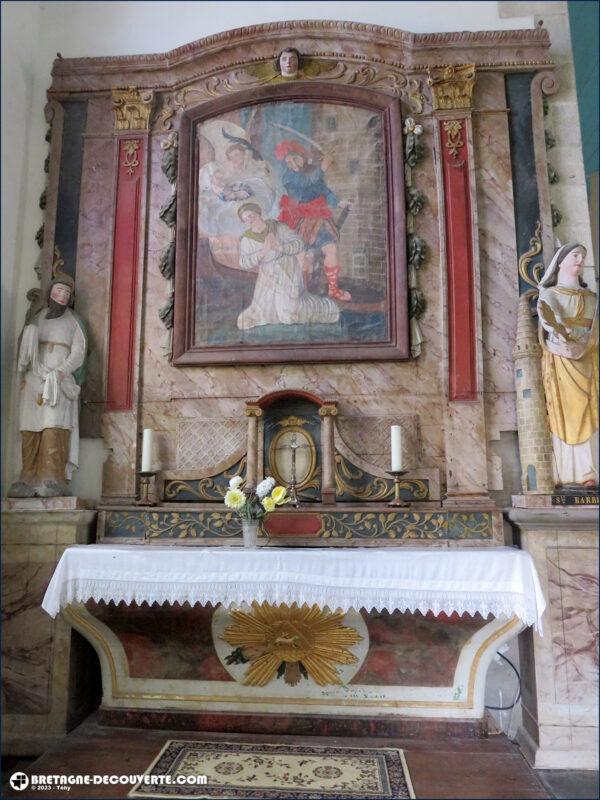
41, 504
47, 672
559, 670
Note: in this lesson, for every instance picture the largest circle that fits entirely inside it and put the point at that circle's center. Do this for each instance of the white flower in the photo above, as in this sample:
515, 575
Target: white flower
235, 499
264, 487
236, 482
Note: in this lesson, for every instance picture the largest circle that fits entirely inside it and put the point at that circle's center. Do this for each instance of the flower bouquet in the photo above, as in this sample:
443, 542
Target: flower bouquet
252, 506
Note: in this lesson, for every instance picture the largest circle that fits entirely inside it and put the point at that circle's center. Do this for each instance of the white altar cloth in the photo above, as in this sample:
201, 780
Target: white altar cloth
501, 581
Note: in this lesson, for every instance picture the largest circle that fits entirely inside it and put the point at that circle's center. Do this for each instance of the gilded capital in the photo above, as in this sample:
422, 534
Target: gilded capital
328, 410
452, 87
132, 109
253, 411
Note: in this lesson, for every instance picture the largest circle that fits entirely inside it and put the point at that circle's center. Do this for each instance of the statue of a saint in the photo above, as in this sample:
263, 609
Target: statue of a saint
51, 366
567, 312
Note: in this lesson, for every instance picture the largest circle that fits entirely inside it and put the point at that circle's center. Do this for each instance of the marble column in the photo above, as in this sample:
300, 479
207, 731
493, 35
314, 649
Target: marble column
464, 418
253, 413
121, 420
559, 670
327, 412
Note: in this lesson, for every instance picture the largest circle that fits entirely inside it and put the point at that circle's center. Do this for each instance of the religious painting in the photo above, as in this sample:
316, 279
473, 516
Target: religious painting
291, 245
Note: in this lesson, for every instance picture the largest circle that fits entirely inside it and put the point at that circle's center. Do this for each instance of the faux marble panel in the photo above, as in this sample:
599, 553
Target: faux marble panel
489, 93
501, 413
94, 258
466, 457
497, 255
26, 638
120, 438
176, 643
164, 642
573, 594
100, 116
369, 437
415, 650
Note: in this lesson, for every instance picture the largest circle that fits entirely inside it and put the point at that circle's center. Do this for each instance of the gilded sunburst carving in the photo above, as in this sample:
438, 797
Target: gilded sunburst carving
292, 642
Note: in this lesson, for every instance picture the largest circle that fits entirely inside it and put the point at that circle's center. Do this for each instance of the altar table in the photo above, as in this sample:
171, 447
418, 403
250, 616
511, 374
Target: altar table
369, 636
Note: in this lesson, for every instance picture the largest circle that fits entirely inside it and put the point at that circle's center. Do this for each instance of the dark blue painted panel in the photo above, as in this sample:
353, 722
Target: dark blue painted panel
585, 24
526, 201
69, 183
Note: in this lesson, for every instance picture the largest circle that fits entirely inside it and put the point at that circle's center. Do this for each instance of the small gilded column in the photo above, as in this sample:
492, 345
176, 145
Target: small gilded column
253, 413
327, 412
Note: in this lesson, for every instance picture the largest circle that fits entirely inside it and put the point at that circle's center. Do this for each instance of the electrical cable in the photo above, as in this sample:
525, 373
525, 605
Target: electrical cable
518, 697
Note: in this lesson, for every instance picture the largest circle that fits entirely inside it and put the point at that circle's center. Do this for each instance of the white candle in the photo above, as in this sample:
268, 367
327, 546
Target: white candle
147, 450
396, 448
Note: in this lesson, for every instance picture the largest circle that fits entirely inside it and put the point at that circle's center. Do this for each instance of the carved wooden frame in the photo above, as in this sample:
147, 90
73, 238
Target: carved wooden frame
185, 351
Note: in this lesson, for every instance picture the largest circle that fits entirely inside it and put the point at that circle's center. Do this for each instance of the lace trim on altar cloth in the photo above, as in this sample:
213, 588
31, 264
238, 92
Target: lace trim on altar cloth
498, 604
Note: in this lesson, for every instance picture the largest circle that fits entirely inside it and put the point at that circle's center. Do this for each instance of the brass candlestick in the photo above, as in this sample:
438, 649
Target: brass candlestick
398, 502
145, 479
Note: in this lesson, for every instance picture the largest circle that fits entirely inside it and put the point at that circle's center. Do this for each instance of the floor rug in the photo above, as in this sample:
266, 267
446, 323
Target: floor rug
237, 770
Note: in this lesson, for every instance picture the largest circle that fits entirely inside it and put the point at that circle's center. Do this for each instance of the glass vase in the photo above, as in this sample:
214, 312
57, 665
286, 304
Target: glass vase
250, 532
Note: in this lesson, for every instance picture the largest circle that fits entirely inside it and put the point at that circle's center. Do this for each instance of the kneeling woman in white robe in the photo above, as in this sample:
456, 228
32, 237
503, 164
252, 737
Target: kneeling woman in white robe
280, 296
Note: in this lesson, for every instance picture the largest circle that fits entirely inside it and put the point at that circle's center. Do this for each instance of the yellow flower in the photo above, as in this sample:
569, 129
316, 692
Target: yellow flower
235, 499
268, 504
279, 495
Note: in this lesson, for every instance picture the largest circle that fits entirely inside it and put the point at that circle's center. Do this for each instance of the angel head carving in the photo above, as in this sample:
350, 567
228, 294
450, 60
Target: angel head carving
288, 62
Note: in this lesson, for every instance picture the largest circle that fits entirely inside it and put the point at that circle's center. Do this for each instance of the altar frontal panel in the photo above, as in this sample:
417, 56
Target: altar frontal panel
290, 659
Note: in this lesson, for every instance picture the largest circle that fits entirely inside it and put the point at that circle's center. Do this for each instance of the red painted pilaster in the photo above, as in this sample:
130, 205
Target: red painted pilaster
462, 328
131, 167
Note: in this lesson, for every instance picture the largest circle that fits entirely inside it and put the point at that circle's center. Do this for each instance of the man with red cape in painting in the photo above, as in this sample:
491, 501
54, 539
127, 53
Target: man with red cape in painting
307, 209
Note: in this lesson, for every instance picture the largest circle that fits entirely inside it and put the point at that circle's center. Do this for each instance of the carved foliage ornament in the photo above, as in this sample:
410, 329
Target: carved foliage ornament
454, 141
339, 525
452, 87
130, 159
532, 273
132, 109
265, 72
415, 201
168, 214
